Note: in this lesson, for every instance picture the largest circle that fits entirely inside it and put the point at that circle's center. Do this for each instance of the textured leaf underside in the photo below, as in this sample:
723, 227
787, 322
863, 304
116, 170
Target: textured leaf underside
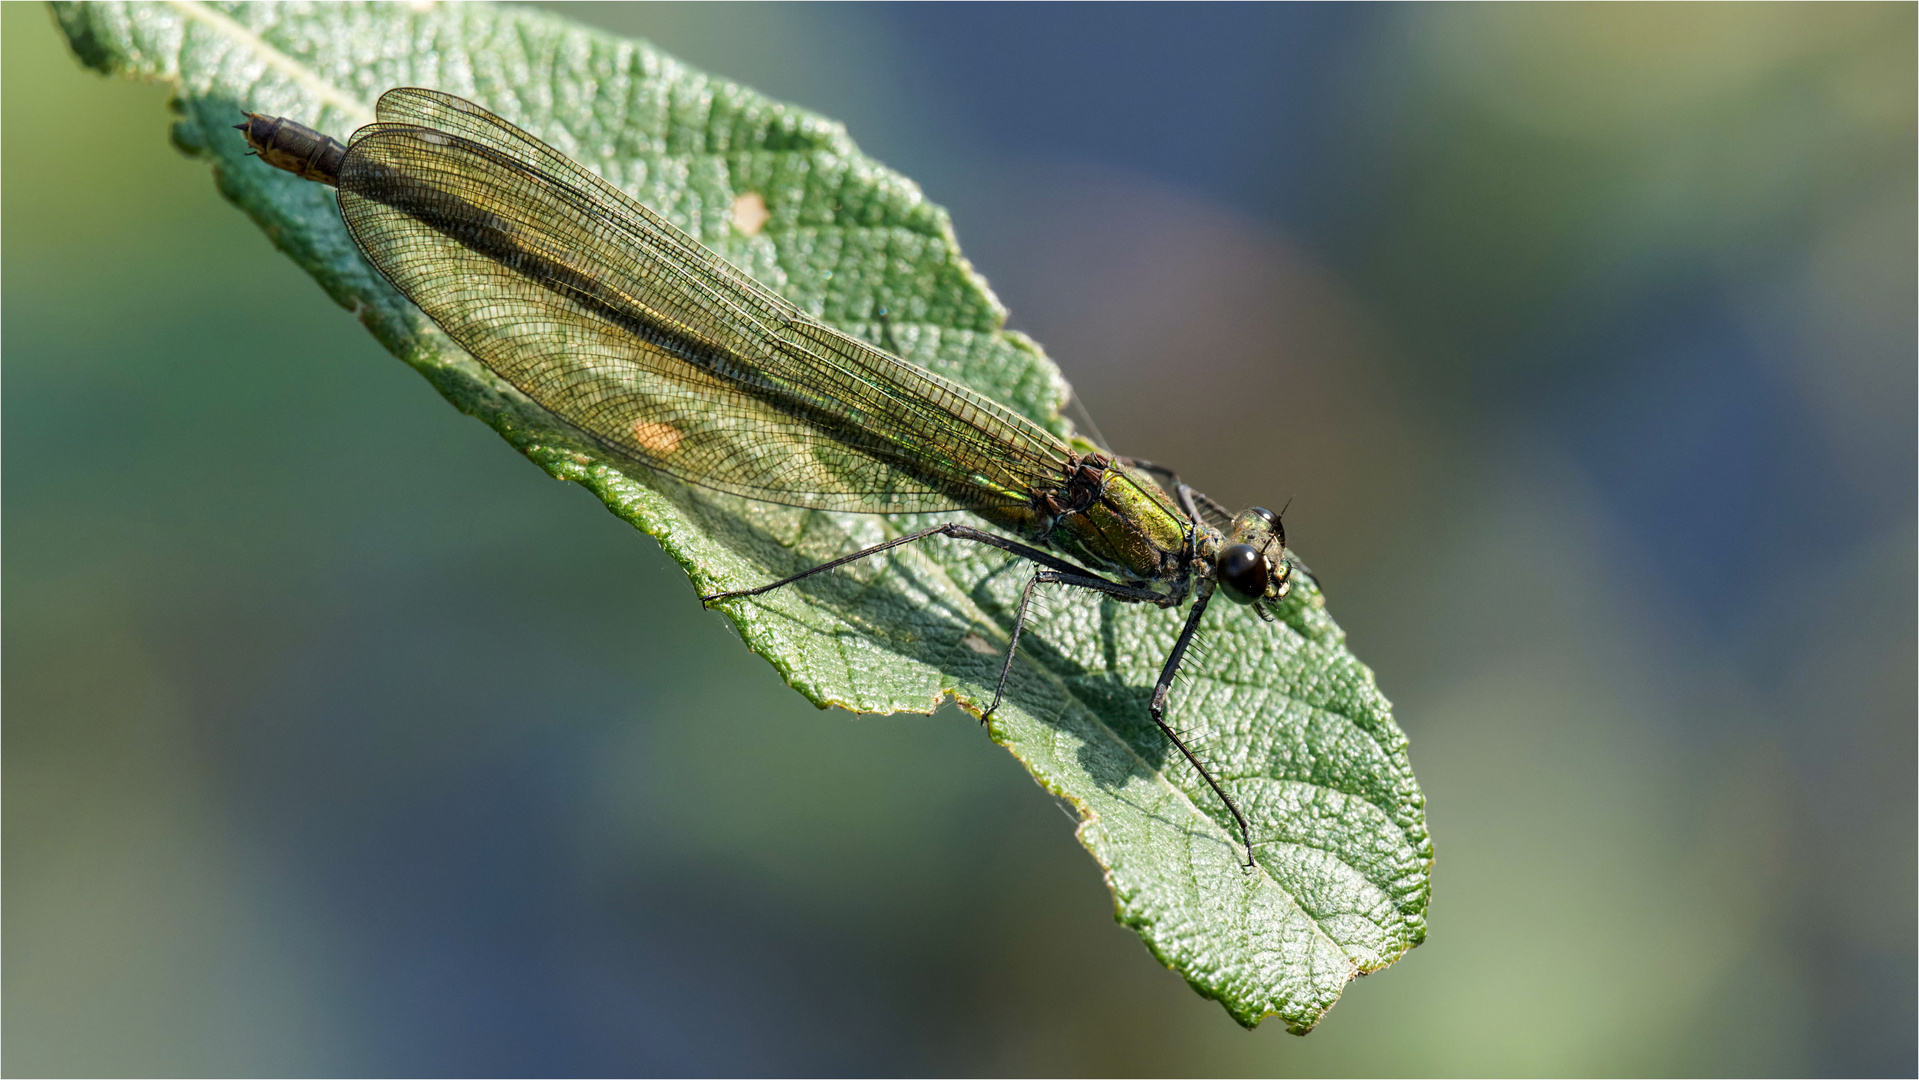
1300, 733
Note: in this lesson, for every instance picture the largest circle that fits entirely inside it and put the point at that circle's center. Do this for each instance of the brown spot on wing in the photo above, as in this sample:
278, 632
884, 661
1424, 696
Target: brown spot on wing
656, 438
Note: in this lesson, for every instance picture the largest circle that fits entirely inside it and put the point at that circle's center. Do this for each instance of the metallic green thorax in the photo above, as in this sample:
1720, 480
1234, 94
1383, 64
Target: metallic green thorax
1132, 530
1115, 520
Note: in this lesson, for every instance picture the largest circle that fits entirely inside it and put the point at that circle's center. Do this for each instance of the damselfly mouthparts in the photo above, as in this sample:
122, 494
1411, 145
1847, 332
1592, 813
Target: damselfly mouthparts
669, 357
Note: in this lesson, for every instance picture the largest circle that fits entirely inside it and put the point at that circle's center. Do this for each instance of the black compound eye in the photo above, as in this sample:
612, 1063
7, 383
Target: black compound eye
1273, 521
1244, 573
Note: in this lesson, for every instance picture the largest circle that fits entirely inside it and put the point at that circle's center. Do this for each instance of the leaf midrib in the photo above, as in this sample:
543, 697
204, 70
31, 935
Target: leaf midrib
227, 25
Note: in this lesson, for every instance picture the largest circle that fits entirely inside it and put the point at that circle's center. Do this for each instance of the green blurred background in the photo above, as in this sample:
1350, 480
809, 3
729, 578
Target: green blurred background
339, 739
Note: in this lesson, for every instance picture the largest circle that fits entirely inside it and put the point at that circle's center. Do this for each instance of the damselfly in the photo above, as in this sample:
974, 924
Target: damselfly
669, 357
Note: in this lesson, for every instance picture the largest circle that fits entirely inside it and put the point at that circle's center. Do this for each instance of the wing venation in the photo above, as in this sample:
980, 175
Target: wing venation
655, 347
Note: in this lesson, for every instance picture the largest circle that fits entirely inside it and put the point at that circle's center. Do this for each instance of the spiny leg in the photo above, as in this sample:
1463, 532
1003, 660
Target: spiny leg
1158, 709
1131, 593
1062, 572
958, 532
1012, 648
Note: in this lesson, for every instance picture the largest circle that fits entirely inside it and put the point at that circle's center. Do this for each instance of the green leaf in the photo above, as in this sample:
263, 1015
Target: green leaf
1297, 728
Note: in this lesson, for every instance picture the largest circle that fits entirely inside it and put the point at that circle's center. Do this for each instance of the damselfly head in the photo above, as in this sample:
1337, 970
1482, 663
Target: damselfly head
1254, 566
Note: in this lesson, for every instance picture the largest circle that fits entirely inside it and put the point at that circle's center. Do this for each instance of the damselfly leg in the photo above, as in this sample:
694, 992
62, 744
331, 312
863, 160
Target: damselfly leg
1059, 572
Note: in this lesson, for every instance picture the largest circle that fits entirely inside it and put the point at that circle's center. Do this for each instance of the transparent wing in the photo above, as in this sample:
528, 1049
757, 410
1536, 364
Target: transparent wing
652, 345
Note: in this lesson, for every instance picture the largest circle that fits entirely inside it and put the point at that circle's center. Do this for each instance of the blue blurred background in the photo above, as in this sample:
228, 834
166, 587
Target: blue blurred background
339, 739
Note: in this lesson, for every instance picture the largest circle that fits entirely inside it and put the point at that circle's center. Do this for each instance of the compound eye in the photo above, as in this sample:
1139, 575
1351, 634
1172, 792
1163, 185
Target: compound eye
1275, 522
1244, 573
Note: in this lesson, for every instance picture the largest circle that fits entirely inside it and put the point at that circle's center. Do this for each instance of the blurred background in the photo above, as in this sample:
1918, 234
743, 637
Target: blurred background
339, 739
